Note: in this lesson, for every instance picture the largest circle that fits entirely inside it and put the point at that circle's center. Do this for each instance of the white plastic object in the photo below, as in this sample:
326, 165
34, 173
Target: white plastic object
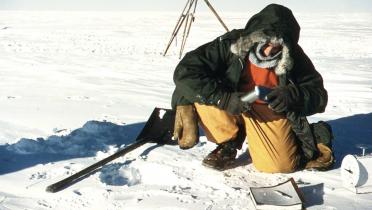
356, 173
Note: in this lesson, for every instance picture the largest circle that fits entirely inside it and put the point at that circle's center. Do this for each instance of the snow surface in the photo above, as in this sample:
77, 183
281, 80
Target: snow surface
77, 86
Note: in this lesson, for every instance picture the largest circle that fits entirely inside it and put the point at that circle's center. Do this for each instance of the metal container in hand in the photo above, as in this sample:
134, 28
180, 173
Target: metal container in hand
259, 92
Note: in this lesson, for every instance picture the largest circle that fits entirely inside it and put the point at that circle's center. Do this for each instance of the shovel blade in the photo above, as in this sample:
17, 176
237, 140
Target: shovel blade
159, 127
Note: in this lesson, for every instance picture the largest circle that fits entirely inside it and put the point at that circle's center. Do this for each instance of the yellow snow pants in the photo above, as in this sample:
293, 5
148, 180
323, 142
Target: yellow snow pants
271, 141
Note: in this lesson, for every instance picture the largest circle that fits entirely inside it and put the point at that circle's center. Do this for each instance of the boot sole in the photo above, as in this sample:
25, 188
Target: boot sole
227, 165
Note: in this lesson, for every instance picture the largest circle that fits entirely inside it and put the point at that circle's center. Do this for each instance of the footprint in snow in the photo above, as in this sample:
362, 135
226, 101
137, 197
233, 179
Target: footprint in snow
38, 175
78, 98
9, 97
77, 192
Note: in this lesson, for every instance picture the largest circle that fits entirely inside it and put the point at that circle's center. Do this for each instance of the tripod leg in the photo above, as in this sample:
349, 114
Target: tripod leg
215, 13
184, 35
176, 28
188, 28
179, 24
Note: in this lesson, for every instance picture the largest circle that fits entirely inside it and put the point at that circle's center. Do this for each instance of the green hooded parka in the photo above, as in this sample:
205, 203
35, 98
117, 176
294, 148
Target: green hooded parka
205, 73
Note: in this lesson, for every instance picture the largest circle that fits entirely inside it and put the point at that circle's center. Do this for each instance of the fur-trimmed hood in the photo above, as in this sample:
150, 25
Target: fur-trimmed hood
275, 24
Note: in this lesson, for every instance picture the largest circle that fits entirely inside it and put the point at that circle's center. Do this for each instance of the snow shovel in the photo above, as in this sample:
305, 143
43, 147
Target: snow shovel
158, 129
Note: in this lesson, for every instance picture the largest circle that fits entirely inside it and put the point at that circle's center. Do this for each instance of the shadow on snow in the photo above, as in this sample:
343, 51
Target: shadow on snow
350, 134
86, 141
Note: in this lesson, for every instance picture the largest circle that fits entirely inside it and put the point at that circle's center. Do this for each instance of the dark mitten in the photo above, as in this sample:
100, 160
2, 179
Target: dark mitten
284, 99
232, 103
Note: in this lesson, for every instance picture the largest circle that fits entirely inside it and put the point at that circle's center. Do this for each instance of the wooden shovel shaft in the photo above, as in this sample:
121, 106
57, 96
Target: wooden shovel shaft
158, 128
71, 179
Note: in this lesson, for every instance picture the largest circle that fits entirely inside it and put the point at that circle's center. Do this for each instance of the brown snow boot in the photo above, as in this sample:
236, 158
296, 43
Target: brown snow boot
186, 129
224, 155
221, 157
324, 136
324, 161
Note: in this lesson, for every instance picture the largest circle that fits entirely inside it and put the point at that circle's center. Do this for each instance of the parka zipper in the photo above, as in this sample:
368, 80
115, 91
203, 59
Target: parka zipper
241, 63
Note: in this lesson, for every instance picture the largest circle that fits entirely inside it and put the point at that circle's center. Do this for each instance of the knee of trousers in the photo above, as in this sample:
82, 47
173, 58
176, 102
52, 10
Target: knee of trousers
217, 124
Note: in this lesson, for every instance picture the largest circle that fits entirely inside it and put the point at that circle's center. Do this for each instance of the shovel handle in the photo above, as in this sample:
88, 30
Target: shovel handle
75, 177
158, 128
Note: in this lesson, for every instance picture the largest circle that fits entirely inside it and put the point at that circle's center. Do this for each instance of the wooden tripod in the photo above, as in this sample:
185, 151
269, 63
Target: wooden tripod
188, 16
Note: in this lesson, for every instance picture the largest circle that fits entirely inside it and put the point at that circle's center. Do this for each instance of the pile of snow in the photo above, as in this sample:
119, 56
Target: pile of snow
119, 175
78, 86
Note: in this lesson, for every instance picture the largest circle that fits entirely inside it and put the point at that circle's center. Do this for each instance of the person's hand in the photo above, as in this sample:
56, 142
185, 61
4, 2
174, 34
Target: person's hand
186, 130
284, 99
232, 103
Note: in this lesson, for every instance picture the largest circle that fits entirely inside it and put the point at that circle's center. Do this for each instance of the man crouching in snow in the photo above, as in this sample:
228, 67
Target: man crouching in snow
211, 79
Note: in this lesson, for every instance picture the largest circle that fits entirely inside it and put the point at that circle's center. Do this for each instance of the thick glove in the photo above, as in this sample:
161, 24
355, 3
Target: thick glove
284, 99
232, 104
186, 129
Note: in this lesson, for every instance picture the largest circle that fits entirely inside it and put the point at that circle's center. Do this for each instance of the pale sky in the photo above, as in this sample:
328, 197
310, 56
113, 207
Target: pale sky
177, 5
